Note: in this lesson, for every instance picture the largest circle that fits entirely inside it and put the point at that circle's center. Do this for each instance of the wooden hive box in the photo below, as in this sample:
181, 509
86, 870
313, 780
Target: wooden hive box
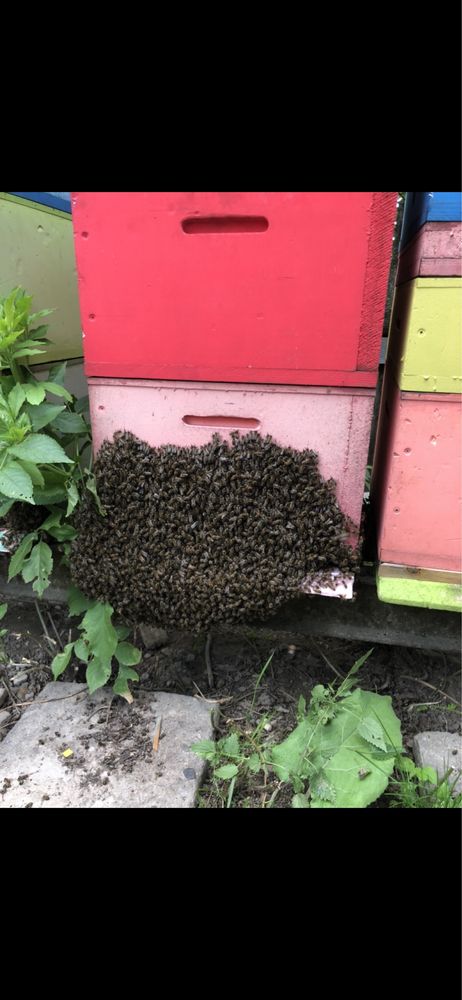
278, 287
429, 206
425, 338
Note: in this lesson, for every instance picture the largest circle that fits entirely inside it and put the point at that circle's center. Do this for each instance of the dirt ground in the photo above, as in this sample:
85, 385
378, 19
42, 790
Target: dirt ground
425, 686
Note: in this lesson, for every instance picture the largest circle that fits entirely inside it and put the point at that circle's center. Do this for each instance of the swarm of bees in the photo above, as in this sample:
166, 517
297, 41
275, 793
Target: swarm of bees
25, 517
224, 533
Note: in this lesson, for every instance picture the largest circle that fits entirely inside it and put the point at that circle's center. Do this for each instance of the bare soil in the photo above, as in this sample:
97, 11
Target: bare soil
425, 686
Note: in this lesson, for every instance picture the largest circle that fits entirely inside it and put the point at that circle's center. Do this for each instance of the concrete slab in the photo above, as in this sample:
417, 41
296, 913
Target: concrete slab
441, 751
75, 750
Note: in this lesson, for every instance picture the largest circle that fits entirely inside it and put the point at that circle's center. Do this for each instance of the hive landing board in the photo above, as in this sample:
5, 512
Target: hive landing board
270, 287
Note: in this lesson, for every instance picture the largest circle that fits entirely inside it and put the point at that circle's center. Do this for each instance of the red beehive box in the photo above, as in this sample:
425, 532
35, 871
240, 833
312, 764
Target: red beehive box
278, 287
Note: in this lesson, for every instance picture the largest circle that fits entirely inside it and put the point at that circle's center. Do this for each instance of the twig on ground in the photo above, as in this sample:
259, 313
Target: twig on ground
45, 701
329, 664
208, 662
417, 680
108, 710
423, 704
7, 685
211, 701
55, 630
156, 739
45, 630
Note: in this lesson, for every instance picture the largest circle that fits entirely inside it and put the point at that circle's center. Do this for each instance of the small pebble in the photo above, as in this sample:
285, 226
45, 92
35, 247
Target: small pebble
18, 679
4, 717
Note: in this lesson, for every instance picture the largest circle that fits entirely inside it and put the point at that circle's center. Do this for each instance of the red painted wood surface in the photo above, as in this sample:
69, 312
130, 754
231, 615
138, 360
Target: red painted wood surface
416, 484
436, 251
275, 287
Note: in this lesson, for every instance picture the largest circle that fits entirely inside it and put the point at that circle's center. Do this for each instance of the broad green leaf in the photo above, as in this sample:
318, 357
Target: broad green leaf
27, 352
40, 448
341, 752
33, 471
57, 390
39, 314
70, 423
81, 650
72, 497
38, 332
98, 674
15, 399
100, 632
253, 763
231, 745
321, 789
205, 748
120, 685
226, 772
3, 610
38, 567
91, 487
301, 708
122, 631
62, 532
57, 373
300, 801
82, 405
61, 661
5, 506
371, 730
18, 558
34, 393
43, 414
77, 601
127, 655
52, 519
27, 343
49, 495
15, 482
407, 766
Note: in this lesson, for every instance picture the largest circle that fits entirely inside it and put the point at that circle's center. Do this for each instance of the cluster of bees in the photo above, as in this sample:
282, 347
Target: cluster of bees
224, 533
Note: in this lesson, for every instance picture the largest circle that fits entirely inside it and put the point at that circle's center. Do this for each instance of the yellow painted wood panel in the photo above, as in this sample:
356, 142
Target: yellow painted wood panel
425, 338
37, 252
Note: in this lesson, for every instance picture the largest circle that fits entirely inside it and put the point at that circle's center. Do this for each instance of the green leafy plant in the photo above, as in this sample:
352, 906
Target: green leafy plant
100, 643
46, 470
236, 756
415, 787
3, 611
341, 754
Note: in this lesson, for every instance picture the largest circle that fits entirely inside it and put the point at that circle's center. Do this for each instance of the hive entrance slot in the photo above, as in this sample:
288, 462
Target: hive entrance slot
248, 423
225, 224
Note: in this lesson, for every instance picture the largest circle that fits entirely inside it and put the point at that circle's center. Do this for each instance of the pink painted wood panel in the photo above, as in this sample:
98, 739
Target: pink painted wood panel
272, 287
416, 485
334, 422
436, 251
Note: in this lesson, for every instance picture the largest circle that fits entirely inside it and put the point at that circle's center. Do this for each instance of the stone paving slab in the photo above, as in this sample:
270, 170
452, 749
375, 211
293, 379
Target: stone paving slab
441, 751
112, 763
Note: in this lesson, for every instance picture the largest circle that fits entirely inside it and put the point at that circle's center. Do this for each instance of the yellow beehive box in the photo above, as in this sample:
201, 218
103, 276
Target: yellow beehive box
37, 253
425, 337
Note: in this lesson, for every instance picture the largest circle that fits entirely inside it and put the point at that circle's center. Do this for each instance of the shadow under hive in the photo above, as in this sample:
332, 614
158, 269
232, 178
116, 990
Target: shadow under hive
195, 536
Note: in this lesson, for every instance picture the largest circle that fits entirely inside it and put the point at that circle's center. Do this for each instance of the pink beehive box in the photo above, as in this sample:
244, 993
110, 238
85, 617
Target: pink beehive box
436, 251
416, 486
334, 422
